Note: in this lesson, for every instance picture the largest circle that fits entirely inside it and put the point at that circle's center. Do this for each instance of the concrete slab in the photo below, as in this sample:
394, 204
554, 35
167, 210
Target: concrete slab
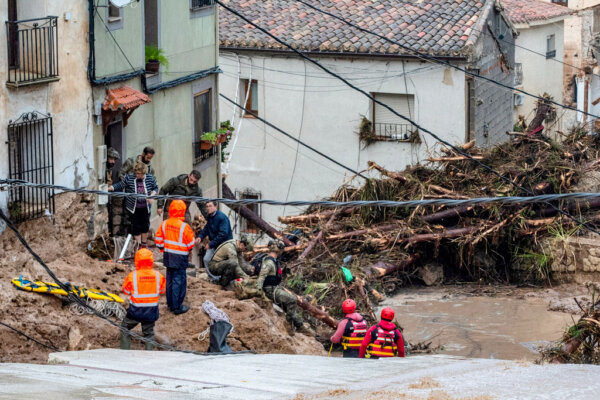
111, 373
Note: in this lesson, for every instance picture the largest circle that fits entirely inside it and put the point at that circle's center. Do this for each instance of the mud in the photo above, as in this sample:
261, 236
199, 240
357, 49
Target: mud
62, 244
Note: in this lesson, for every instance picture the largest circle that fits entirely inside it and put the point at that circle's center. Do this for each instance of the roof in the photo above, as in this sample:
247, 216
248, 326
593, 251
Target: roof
528, 11
439, 27
124, 98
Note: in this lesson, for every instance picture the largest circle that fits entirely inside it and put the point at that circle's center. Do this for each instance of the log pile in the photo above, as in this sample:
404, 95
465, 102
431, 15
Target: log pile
485, 243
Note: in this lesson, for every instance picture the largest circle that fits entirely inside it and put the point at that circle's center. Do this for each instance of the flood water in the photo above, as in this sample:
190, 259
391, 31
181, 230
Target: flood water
502, 327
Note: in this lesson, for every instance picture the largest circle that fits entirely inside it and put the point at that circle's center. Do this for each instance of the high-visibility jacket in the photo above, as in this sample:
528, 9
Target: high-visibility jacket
384, 342
175, 238
144, 286
354, 334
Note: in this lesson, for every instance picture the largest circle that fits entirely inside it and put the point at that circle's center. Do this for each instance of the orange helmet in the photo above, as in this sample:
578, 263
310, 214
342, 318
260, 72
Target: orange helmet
387, 314
348, 306
144, 259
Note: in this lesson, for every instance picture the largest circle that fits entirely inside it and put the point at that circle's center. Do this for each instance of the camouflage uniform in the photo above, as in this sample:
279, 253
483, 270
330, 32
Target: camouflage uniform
227, 263
177, 186
129, 164
115, 204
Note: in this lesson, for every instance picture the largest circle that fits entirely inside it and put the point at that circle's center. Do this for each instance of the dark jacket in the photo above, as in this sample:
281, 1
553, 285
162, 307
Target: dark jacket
128, 185
177, 186
217, 228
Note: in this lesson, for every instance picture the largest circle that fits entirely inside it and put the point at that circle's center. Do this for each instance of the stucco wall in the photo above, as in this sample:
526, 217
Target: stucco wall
67, 100
325, 114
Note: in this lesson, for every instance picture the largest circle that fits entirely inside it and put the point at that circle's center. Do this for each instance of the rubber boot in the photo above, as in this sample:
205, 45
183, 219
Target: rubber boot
125, 341
149, 346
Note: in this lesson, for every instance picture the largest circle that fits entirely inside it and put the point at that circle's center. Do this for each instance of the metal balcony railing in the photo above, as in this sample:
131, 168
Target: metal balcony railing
385, 131
196, 4
32, 51
201, 154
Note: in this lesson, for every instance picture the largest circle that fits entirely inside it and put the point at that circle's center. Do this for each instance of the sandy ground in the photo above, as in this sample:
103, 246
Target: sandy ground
61, 244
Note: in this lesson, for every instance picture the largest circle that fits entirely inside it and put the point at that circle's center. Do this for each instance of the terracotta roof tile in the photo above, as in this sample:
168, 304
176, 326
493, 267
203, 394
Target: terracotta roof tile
524, 11
123, 98
432, 26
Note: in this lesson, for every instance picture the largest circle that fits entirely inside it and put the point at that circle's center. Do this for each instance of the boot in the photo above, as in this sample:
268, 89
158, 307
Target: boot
125, 341
305, 329
149, 346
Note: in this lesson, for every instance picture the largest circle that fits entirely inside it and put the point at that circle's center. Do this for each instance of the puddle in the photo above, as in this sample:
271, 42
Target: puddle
500, 327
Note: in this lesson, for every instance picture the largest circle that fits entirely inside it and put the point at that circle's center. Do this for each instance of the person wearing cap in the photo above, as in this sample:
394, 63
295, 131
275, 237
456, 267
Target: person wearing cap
351, 330
383, 339
269, 278
144, 286
228, 262
115, 205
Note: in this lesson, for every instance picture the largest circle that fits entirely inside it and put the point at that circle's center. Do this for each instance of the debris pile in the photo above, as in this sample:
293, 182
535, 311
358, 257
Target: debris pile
391, 247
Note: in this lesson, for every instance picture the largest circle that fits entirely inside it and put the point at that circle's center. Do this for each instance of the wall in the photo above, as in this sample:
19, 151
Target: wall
324, 113
67, 100
540, 75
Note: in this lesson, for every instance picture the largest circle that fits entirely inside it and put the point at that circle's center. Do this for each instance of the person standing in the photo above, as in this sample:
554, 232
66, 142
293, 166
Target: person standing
181, 185
115, 204
131, 162
383, 339
351, 330
217, 229
144, 286
175, 239
139, 208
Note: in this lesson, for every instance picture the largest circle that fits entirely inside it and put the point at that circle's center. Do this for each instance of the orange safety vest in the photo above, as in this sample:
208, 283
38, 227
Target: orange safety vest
175, 239
146, 288
353, 334
383, 343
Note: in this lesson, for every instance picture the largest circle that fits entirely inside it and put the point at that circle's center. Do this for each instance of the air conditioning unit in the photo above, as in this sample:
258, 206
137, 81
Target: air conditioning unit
101, 160
519, 99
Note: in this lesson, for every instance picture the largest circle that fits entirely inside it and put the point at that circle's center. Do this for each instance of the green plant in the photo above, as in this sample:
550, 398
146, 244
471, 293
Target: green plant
365, 131
227, 129
209, 137
154, 53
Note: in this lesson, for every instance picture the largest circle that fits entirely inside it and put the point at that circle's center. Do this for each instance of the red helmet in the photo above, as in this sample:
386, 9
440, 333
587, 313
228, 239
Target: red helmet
348, 306
387, 314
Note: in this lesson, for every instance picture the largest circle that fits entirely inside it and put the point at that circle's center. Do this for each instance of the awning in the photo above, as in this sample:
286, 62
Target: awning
124, 100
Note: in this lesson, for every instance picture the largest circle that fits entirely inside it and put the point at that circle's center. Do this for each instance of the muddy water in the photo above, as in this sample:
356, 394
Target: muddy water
503, 327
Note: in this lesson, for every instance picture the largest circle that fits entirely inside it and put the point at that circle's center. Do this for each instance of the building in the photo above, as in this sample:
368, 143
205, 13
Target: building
324, 113
45, 128
169, 109
539, 55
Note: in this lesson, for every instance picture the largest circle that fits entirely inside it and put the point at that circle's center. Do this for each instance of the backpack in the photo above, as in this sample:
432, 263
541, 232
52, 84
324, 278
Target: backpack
257, 262
271, 280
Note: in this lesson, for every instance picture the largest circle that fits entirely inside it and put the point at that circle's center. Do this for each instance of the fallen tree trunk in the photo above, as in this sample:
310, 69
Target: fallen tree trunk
455, 158
451, 214
380, 268
306, 219
313, 242
255, 219
315, 311
394, 175
265, 249
346, 235
451, 233
579, 205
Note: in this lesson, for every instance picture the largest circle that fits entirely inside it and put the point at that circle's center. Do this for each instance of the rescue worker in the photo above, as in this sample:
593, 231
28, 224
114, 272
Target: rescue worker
228, 262
115, 205
383, 339
175, 239
144, 286
351, 330
269, 278
130, 163
182, 185
217, 229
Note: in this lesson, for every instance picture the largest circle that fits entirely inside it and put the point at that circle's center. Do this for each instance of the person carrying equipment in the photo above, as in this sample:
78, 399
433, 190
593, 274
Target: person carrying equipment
175, 239
144, 286
351, 330
383, 339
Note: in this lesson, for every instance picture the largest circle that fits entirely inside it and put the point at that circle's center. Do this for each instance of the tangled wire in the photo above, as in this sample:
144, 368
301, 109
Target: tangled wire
106, 308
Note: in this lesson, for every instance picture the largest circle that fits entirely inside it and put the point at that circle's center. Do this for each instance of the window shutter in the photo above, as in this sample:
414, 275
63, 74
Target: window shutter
401, 103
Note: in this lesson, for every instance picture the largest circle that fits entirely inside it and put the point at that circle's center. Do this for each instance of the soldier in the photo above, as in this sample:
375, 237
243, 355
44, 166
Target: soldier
181, 185
269, 278
228, 262
115, 205
130, 163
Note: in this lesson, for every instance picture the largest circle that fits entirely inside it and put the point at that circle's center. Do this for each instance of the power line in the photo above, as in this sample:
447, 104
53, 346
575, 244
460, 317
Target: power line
30, 338
424, 56
418, 126
114, 39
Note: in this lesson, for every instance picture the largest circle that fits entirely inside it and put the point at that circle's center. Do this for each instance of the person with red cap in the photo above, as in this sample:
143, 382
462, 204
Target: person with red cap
144, 286
351, 330
383, 339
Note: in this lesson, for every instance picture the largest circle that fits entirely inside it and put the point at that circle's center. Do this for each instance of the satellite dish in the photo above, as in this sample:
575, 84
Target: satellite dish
120, 3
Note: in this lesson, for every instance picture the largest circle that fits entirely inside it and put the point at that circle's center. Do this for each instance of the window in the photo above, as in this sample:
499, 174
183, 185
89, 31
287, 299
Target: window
564, 3
202, 123
550, 46
518, 74
386, 125
596, 20
252, 102
114, 17
248, 226
197, 4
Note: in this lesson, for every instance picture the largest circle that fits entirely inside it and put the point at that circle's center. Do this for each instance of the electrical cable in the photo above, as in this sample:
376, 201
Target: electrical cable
30, 338
114, 39
423, 56
92, 310
418, 126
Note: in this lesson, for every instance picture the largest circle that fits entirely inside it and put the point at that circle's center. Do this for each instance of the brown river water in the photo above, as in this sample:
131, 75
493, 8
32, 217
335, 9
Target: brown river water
509, 326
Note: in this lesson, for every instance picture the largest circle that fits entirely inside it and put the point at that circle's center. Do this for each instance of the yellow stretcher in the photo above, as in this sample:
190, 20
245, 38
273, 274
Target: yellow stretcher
53, 288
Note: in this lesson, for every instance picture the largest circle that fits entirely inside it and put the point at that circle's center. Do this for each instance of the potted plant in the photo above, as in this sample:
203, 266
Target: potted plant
208, 140
155, 57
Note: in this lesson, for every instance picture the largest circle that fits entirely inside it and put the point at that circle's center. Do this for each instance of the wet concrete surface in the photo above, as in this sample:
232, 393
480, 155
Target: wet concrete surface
511, 326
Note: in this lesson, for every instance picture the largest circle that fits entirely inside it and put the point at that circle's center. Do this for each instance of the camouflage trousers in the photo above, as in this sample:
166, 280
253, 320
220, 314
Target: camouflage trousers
287, 301
118, 219
228, 270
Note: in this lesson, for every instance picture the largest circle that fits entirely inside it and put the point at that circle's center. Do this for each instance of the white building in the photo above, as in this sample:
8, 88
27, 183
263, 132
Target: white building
324, 113
539, 56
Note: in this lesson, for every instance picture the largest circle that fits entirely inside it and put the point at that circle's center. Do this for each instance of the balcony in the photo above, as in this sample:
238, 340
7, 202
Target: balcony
201, 154
394, 132
32, 51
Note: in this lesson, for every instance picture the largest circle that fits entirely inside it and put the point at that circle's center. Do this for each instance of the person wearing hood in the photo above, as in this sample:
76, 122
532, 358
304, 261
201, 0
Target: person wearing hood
144, 286
175, 239
351, 330
383, 339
